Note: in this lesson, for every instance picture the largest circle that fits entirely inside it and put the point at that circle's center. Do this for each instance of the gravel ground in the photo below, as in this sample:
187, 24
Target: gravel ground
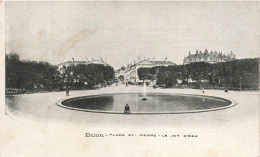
35, 126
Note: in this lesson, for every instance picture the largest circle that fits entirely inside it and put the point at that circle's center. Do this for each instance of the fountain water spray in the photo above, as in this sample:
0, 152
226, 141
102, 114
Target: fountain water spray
144, 92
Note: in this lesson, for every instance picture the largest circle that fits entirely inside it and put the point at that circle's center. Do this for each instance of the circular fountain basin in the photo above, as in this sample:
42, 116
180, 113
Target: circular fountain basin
156, 103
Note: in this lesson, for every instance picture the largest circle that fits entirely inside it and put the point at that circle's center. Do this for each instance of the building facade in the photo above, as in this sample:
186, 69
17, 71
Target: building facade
209, 57
73, 62
120, 74
130, 73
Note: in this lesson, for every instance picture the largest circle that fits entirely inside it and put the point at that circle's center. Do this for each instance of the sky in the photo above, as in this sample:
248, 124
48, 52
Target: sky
121, 31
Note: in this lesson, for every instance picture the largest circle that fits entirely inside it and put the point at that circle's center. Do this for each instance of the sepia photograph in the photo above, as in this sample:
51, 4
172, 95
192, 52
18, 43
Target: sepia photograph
130, 78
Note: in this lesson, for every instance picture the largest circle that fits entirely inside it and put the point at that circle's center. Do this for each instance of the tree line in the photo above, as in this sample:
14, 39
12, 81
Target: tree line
238, 74
32, 75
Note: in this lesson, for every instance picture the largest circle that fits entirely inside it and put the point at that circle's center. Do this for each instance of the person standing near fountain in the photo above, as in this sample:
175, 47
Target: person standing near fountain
127, 109
67, 92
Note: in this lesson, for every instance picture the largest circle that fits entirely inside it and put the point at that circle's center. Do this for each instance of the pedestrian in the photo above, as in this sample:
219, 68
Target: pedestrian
127, 109
67, 92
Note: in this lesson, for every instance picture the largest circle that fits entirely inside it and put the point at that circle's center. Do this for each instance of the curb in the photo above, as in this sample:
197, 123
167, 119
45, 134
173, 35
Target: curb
232, 104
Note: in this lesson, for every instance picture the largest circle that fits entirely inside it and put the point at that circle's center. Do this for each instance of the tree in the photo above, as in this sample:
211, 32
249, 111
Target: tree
161, 75
142, 74
108, 73
12, 63
171, 75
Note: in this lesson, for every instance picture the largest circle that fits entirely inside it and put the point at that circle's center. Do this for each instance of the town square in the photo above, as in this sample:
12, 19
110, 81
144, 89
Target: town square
130, 79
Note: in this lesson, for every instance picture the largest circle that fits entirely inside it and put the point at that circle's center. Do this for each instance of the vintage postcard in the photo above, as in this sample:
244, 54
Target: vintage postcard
129, 78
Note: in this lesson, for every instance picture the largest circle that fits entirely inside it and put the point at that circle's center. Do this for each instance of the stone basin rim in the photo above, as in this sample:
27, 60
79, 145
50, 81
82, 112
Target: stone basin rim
232, 104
